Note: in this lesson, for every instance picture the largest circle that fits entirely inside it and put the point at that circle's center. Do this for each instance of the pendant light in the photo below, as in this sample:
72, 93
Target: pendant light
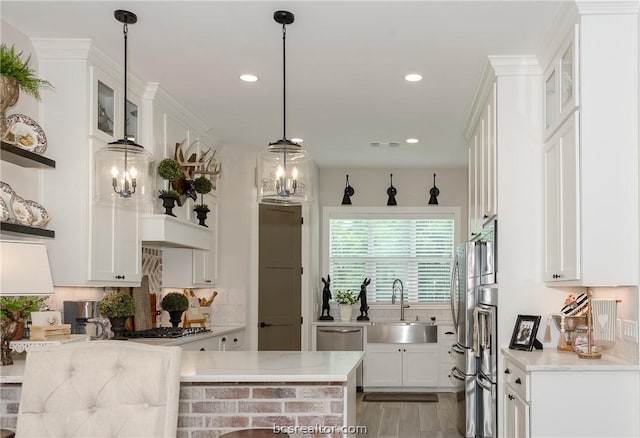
123, 167
284, 168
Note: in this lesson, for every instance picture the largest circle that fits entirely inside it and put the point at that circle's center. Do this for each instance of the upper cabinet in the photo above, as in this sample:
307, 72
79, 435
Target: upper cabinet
97, 243
561, 83
591, 155
482, 165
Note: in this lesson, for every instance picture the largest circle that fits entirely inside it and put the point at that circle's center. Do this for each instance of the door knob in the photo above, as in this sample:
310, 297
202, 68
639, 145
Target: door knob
264, 324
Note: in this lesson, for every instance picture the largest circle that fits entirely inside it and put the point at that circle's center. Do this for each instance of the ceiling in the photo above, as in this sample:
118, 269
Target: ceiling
346, 63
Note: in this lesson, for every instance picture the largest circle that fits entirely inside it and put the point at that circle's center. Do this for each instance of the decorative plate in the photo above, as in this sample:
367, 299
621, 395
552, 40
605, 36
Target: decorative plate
4, 211
21, 211
40, 216
27, 133
6, 193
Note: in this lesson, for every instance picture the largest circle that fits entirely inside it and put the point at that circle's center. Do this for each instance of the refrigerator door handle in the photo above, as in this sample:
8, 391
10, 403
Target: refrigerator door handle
457, 348
453, 290
457, 374
483, 382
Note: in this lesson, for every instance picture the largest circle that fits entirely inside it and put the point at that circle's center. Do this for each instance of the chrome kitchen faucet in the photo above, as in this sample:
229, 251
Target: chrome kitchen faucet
394, 287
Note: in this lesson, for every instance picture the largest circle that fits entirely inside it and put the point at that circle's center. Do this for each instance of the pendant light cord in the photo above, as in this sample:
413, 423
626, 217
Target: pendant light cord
125, 30
284, 83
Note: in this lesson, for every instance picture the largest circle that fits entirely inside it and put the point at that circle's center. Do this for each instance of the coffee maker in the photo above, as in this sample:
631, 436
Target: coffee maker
78, 314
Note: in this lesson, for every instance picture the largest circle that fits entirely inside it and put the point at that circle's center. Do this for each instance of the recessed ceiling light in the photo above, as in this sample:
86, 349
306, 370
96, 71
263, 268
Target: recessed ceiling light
413, 77
412, 140
248, 78
297, 140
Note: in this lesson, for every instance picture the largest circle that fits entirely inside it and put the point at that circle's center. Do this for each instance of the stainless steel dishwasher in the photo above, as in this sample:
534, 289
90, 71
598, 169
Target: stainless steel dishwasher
341, 338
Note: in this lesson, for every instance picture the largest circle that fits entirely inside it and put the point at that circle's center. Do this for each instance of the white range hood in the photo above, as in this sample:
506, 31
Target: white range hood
167, 231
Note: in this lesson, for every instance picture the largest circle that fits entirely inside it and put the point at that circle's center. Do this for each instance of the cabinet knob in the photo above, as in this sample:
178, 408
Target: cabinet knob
235, 339
224, 339
507, 371
399, 349
485, 216
202, 349
510, 397
207, 281
518, 381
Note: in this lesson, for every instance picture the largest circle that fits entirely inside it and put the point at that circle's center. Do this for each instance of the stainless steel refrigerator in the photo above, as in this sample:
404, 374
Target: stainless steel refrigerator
465, 281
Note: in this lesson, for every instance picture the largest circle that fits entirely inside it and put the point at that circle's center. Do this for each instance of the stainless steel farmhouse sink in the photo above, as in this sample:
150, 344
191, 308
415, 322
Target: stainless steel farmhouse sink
402, 332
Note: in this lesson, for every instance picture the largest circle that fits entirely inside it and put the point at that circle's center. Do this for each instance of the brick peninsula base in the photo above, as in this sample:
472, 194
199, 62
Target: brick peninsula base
307, 394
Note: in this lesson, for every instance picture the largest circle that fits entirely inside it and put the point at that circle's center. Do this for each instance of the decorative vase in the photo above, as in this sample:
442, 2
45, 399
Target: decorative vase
202, 215
175, 317
9, 92
345, 312
117, 327
168, 202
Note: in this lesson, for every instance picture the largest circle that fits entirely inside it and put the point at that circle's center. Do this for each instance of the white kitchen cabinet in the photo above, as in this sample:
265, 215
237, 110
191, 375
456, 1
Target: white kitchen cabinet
194, 268
232, 341
115, 244
401, 365
95, 245
515, 396
590, 157
561, 83
579, 398
446, 359
208, 344
482, 164
562, 203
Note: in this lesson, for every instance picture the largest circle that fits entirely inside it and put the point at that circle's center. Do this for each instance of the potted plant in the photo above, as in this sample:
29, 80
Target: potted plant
203, 185
345, 299
15, 75
175, 303
170, 170
117, 306
13, 312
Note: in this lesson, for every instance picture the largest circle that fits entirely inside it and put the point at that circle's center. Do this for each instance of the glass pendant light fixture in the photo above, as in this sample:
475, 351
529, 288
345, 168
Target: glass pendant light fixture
284, 168
123, 167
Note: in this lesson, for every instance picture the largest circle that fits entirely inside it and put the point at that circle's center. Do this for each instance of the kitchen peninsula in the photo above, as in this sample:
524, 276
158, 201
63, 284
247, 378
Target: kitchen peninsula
226, 390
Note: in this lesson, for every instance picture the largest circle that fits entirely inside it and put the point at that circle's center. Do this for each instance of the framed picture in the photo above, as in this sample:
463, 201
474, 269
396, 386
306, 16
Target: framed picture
524, 332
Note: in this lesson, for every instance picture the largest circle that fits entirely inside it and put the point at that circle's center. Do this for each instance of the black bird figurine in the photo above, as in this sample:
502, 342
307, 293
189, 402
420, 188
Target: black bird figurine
434, 192
391, 191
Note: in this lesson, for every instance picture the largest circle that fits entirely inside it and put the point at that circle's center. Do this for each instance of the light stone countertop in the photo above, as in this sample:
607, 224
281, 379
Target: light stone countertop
551, 359
249, 366
269, 366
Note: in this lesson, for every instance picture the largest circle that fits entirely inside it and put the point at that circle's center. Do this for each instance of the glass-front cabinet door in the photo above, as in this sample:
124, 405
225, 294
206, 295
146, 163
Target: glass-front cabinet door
561, 84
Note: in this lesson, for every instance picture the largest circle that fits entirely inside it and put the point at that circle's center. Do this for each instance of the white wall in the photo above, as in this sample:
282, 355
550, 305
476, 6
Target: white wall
25, 182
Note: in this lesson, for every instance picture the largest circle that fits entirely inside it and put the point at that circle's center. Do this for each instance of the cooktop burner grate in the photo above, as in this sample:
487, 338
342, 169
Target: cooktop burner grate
166, 332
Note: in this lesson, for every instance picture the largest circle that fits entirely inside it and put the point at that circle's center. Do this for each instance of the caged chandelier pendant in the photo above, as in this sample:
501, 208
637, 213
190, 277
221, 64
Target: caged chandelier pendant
284, 168
123, 167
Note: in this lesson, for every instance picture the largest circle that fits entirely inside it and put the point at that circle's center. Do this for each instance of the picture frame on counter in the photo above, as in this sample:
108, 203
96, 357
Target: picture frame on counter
524, 332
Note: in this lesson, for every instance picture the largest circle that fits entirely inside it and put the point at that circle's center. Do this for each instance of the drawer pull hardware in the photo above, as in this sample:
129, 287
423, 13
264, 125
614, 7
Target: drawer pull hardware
518, 381
449, 333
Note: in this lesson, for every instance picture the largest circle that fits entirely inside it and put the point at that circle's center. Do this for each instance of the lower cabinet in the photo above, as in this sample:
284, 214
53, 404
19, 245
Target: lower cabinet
396, 365
446, 339
229, 341
563, 402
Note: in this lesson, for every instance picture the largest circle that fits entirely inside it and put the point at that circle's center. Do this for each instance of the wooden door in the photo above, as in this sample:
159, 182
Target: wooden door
279, 278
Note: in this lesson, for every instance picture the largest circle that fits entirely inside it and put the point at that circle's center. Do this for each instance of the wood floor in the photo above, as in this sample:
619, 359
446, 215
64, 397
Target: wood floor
409, 420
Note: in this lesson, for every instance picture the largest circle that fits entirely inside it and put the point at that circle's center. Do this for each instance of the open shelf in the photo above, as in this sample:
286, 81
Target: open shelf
9, 228
22, 157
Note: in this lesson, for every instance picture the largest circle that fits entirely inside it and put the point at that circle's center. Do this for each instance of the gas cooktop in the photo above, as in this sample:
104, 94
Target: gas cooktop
166, 332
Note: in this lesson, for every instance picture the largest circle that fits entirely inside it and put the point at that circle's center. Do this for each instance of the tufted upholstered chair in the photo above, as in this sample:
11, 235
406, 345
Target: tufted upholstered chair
100, 389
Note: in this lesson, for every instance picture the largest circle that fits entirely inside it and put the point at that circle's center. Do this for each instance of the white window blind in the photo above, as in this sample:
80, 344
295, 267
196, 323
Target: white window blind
418, 251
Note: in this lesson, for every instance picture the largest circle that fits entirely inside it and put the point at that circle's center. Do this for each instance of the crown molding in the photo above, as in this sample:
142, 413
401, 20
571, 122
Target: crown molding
607, 7
525, 65
479, 97
55, 48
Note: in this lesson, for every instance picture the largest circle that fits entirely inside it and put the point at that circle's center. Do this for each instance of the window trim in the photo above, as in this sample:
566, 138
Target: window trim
386, 212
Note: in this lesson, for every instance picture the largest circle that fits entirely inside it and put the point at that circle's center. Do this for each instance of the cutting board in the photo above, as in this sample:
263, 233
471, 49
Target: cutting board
142, 317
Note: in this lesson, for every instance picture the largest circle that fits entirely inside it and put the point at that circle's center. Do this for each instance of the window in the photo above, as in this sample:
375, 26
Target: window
415, 245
